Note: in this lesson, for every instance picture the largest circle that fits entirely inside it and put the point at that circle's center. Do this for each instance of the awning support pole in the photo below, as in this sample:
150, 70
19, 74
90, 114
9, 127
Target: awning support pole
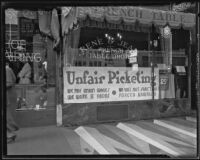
198, 52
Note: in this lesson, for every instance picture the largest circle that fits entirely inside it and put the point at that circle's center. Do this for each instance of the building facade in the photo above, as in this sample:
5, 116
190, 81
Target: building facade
100, 64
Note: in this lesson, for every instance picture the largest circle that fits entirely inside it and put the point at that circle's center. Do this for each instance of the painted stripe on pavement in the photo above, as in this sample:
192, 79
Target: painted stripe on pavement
83, 133
121, 146
142, 145
183, 122
123, 135
164, 137
169, 133
153, 140
192, 119
176, 127
85, 147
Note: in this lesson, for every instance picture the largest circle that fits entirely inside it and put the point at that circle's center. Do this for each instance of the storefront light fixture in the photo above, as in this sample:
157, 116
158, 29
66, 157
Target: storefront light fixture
169, 68
167, 31
109, 37
119, 36
155, 43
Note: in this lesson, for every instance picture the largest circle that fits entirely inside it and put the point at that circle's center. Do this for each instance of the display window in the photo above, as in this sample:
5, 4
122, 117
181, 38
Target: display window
127, 54
106, 51
31, 58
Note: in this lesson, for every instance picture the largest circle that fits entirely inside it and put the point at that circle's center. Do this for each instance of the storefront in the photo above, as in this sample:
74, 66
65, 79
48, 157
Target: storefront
32, 58
114, 55
102, 67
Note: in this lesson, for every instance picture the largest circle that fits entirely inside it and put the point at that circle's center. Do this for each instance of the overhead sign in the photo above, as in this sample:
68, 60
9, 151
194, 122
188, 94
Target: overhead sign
105, 84
16, 51
182, 6
133, 14
133, 53
132, 59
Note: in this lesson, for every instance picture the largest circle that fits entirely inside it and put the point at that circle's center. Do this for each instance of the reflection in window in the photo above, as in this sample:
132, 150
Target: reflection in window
32, 59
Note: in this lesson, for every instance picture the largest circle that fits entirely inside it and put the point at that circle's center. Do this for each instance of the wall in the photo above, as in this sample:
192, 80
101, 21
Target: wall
89, 113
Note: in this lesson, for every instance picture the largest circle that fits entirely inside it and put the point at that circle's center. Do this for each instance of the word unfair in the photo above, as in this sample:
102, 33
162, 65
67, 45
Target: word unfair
113, 77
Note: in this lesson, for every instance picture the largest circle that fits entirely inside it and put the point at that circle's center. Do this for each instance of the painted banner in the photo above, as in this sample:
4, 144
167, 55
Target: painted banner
106, 84
167, 86
131, 14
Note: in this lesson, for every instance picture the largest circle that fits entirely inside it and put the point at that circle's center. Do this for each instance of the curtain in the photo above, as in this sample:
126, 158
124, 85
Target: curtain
168, 91
75, 37
55, 27
166, 46
49, 25
71, 42
44, 22
51, 62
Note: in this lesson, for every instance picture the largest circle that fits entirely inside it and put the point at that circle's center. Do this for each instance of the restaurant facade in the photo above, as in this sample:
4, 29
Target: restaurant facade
101, 64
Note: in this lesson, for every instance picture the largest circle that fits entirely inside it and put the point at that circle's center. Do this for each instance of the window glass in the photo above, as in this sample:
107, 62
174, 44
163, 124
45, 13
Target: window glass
31, 58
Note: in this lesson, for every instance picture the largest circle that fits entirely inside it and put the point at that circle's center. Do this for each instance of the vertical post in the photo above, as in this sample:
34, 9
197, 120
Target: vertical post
59, 74
149, 46
189, 67
198, 64
198, 52
152, 61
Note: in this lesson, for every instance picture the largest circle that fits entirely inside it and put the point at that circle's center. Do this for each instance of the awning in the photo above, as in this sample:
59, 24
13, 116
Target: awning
128, 15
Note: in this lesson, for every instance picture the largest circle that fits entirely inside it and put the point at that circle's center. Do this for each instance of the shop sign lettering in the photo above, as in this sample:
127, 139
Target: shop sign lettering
181, 6
16, 51
98, 43
105, 54
165, 16
23, 57
131, 14
102, 84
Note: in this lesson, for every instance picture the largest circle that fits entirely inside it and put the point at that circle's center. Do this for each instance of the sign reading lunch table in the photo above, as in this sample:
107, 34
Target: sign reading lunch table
106, 84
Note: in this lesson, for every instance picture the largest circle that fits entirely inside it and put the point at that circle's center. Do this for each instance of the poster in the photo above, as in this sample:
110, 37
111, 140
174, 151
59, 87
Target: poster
167, 86
106, 84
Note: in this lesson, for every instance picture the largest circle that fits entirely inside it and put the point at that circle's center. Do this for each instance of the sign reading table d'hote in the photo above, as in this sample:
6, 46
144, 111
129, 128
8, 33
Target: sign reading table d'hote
106, 84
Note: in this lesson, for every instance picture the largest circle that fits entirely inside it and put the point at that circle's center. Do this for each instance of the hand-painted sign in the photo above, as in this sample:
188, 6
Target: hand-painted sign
133, 14
164, 82
16, 51
133, 53
105, 84
132, 59
182, 6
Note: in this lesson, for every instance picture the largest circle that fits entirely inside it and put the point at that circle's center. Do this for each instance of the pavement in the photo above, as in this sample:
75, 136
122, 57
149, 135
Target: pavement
175, 137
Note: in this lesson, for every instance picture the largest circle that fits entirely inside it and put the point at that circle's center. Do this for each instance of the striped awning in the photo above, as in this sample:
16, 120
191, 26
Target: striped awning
128, 15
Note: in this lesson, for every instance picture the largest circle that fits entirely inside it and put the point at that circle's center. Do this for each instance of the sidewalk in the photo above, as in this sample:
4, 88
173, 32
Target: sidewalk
48, 140
177, 138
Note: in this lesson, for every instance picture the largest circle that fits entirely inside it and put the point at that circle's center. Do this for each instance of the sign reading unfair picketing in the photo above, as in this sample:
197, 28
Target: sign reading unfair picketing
106, 84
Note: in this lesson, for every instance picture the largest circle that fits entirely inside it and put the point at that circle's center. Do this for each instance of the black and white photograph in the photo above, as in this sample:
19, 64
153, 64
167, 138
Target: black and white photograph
100, 79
